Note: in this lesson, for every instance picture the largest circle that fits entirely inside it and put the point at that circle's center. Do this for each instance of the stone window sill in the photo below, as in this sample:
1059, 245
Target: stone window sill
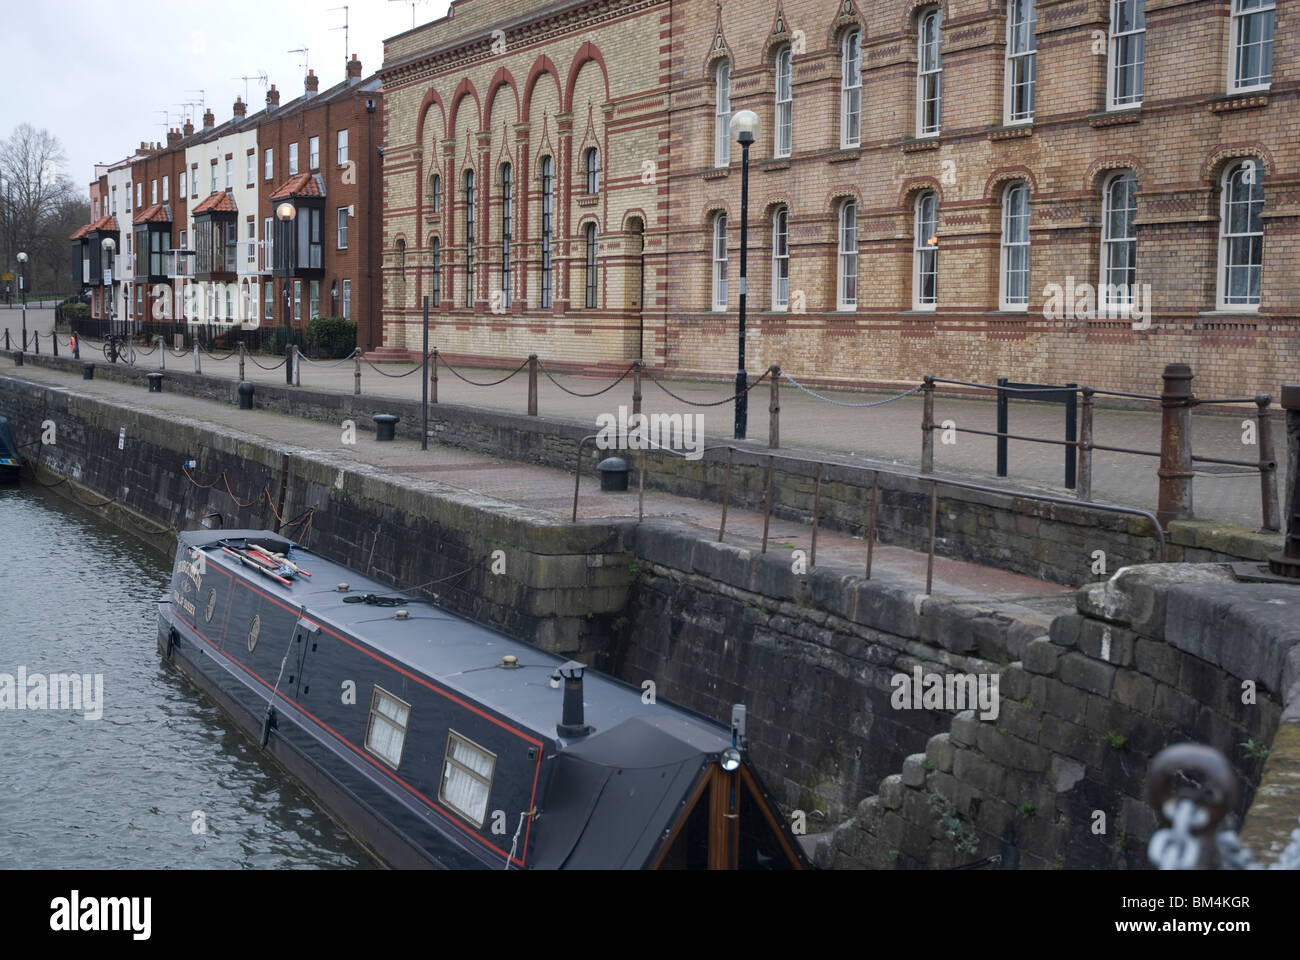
1246, 100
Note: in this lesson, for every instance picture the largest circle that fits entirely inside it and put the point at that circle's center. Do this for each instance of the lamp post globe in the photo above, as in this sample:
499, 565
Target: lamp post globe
285, 212
744, 128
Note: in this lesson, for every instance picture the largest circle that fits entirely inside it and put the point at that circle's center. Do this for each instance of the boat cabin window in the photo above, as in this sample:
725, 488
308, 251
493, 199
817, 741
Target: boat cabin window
467, 778
386, 732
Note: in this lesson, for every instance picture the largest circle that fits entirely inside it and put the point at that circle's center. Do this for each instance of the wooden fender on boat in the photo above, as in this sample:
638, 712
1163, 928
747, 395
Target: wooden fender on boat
268, 721
172, 637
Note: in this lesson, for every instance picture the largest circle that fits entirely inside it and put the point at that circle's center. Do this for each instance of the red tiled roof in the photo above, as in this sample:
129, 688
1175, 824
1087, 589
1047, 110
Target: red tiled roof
302, 185
217, 203
103, 224
158, 213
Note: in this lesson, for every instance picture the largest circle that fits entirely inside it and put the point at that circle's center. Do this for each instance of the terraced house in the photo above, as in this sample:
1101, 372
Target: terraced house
1048, 189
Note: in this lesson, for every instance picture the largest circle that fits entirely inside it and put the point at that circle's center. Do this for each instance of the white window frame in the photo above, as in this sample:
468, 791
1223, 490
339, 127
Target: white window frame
293, 159
451, 764
153, 191
925, 256
167, 194
719, 260
250, 169
347, 300
268, 238
1114, 300
313, 153
783, 107
851, 90
341, 238
181, 185
388, 722
1228, 199
781, 260
341, 147
268, 163
1014, 245
1118, 39
929, 72
1021, 60
230, 172
722, 115
1244, 12
194, 181
846, 260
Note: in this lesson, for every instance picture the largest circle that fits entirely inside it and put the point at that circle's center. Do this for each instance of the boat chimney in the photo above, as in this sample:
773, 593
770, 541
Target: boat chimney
572, 724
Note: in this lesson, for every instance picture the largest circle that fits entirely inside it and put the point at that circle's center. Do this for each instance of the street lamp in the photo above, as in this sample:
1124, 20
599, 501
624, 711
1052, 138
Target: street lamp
285, 213
22, 288
744, 129
109, 246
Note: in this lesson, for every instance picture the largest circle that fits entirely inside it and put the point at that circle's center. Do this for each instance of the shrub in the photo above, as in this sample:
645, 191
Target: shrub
331, 337
75, 311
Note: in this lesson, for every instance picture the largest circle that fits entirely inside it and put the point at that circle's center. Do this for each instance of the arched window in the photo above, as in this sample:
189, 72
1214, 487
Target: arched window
469, 238
851, 90
722, 116
1013, 286
1022, 21
591, 162
781, 259
1251, 65
783, 128
591, 266
1128, 45
925, 253
507, 224
399, 293
1118, 245
720, 262
548, 209
846, 286
435, 292
1241, 236
929, 73
435, 192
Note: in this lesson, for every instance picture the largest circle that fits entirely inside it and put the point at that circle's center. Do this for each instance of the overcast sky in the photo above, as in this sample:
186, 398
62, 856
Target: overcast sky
100, 75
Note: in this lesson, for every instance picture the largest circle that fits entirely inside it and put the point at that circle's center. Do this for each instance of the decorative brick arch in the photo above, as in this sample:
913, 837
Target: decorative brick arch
912, 187
587, 52
909, 23
542, 65
431, 99
712, 209
838, 194
635, 213
1101, 168
502, 78
464, 89
769, 205
1212, 167
1000, 177
847, 17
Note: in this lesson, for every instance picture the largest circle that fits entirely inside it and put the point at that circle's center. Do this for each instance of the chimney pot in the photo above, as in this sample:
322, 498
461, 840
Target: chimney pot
273, 97
354, 67
188, 129
312, 83
209, 120
239, 109
572, 723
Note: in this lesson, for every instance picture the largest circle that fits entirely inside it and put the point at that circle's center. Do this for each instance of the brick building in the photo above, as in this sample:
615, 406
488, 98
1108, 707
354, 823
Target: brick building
196, 231
1051, 190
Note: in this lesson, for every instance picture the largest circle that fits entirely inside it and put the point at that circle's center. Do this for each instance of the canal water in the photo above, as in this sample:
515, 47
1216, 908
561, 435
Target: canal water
150, 774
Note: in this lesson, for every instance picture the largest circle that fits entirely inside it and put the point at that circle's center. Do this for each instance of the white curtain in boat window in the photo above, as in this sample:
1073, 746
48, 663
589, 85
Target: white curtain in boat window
467, 778
387, 732
1251, 66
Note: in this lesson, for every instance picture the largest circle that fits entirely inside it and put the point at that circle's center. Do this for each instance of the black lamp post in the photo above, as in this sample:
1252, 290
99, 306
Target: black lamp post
744, 130
22, 289
109, 246
285, 213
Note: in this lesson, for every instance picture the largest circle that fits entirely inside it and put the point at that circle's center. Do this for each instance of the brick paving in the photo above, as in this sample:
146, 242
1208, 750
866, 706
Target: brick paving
888, 434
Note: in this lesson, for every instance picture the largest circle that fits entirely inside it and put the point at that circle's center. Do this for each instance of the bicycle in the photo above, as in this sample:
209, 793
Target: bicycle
115, 346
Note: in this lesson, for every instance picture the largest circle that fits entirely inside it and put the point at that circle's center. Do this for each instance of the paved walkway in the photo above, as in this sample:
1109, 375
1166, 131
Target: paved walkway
551, 491
886, 434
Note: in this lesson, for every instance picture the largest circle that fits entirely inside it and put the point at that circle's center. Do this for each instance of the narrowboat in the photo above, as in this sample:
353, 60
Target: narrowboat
439, 742
9, 462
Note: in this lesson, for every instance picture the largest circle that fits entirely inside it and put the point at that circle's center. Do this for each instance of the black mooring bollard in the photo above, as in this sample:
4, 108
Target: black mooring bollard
88, 372
18, 359
245, 391
385, 426
613, 475
155, 382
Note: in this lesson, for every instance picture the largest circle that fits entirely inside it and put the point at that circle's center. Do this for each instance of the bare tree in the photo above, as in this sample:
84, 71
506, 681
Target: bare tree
35, 197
